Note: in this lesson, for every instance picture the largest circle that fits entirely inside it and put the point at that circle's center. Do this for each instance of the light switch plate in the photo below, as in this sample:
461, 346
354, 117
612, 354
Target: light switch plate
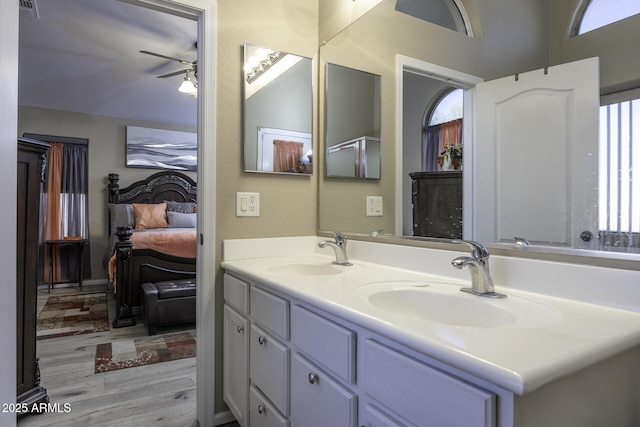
247, 204
374, 205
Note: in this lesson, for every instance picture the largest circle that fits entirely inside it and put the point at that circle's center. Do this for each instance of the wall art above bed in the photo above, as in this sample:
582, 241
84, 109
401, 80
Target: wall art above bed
161, 149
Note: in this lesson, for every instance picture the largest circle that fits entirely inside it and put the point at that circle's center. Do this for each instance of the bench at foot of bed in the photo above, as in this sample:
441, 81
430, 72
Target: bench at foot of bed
169, 302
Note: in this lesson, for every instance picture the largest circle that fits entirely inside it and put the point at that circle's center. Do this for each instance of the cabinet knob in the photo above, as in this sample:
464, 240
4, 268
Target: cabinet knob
261, 409
240, 329
313, 378
262, 339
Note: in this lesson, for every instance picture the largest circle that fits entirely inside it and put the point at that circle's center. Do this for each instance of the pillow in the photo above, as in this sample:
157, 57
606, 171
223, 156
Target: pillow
121, 216
182, 220
150, 215
186, 207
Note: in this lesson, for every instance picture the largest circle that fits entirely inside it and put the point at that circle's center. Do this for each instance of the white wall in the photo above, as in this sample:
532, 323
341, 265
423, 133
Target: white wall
8, 171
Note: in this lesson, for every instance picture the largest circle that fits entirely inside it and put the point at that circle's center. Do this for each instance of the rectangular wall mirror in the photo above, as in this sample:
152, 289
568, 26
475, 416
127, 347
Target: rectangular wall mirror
352, 123
278, 112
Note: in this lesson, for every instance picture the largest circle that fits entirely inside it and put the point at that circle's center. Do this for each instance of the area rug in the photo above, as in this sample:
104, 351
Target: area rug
144, 351
64, 315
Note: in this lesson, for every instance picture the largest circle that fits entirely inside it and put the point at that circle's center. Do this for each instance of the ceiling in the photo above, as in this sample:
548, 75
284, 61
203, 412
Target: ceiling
83, 56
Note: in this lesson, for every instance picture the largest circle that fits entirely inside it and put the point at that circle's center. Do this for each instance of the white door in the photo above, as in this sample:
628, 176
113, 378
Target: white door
535, 172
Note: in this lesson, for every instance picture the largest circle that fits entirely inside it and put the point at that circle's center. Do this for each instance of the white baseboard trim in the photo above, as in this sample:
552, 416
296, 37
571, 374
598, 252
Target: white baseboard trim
223, 418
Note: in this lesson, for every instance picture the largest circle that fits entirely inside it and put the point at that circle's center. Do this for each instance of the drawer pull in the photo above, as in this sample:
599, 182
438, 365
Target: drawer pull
240, 329
313, 378
262, 339
261, 409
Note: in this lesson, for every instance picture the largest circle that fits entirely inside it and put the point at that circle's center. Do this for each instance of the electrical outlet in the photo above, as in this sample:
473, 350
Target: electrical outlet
247, 204
374, 205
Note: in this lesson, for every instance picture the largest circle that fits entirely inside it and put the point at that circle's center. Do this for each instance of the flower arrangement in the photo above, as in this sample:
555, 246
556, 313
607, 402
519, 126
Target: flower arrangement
450, 158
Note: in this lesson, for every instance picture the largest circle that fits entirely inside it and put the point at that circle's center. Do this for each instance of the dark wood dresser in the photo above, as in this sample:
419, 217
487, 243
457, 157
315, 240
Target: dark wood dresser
437, 204
32, 158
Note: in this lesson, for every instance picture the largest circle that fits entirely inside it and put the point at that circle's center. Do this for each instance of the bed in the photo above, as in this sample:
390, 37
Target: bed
132, 257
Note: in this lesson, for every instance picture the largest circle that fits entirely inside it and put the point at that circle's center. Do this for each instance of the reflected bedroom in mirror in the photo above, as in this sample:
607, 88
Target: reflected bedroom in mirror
352, 123
549, 180
278, 112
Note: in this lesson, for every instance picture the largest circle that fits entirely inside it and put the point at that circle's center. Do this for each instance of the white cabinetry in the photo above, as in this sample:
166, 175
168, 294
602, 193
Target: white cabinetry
308, 368
235, 349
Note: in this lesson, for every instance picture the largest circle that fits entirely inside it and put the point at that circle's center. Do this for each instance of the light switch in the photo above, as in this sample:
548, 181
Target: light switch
374, 205
247, 204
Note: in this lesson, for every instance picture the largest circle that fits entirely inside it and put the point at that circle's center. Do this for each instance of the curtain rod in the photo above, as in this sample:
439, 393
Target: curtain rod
53, 138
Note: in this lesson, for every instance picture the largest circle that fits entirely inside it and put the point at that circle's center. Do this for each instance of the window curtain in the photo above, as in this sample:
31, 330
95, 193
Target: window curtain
431, 148
286, 155
435, 138
67, 209
52, 222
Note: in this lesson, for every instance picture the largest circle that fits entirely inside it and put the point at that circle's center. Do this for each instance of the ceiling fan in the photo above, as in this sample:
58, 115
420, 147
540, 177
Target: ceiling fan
190, 82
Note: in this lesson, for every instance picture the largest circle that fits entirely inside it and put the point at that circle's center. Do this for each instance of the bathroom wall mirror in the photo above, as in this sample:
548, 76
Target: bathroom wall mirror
352, 123
342, 204
278, 112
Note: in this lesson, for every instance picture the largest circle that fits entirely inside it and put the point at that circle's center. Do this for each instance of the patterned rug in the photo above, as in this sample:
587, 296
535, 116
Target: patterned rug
66, 315
144, 351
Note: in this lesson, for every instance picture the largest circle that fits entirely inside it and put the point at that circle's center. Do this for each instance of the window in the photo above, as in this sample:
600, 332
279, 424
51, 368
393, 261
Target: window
619, 167
598, 13
445, 13
442, 132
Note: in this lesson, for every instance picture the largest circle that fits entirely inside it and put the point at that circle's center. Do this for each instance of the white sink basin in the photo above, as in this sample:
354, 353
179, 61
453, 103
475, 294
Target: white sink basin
306, 269
445, 304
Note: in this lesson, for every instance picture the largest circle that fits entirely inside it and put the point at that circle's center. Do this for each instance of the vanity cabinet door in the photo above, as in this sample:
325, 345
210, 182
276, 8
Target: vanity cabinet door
269, 368
330, 344
270, 311
317, 400
373, 417
262, 413
422, 394
235, 364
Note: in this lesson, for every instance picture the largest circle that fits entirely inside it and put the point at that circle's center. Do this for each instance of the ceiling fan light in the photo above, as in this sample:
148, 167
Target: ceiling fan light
188, 87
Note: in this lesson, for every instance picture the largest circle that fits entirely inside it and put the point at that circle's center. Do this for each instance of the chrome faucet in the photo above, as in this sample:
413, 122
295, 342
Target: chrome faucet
339, 247
478, 263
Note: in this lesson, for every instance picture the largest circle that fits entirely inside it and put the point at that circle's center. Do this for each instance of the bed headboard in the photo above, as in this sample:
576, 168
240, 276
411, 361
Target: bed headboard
167, 185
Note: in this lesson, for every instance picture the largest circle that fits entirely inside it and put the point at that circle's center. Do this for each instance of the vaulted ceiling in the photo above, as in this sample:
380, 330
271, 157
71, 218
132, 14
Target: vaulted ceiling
83, 56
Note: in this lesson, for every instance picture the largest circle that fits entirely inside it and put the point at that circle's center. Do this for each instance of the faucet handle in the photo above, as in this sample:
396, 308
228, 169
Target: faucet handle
478, 250
340, 238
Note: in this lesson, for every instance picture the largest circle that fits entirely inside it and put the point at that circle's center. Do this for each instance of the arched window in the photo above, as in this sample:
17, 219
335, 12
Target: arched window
598, 13
446, 13
443, 131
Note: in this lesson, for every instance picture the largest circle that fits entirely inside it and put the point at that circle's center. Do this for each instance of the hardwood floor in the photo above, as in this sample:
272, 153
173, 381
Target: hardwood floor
163, 394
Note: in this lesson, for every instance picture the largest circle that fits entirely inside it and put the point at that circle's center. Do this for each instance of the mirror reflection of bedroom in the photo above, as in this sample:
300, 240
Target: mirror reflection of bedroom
107, 184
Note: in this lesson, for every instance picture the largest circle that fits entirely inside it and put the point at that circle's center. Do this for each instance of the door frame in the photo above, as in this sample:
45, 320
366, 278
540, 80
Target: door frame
454, 78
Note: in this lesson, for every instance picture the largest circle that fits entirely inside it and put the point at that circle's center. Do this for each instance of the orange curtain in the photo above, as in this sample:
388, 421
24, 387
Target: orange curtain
286, 155
53, 223
450, 133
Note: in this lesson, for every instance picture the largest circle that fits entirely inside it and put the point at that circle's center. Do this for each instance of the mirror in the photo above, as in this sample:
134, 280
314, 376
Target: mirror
490, 56
278, 112
352, 126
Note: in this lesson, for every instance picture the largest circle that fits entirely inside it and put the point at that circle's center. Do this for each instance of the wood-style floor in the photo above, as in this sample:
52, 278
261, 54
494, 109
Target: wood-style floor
162, 394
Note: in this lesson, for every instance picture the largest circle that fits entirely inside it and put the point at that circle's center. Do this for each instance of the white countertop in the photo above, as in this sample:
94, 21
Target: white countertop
519, 358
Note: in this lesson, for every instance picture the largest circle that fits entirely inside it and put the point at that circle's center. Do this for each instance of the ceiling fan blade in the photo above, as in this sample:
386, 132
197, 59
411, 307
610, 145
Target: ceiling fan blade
182, 61
175, 73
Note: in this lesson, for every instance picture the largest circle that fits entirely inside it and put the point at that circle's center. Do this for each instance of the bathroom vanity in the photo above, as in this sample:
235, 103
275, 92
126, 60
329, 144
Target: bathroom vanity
310, 343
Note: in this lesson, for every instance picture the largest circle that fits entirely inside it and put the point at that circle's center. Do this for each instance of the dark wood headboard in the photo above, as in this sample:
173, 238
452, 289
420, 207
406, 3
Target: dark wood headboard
167, 185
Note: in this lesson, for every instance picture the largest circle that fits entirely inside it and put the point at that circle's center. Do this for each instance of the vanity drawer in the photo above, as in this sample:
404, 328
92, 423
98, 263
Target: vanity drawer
270, 311
269, 367
317, 400
236, 293
330, 344
373, 417
420, 392
261, 413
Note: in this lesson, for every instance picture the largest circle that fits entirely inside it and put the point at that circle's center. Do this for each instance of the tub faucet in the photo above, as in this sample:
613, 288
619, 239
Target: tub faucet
478, 263
339, 247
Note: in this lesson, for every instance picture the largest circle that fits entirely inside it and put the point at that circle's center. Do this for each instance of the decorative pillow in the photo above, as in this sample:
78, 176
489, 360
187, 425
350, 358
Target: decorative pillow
121, 216
150, 215
182, 220
186, 207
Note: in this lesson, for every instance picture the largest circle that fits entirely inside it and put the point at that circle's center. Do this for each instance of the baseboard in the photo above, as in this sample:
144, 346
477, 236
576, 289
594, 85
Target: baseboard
222, 418
85, 283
